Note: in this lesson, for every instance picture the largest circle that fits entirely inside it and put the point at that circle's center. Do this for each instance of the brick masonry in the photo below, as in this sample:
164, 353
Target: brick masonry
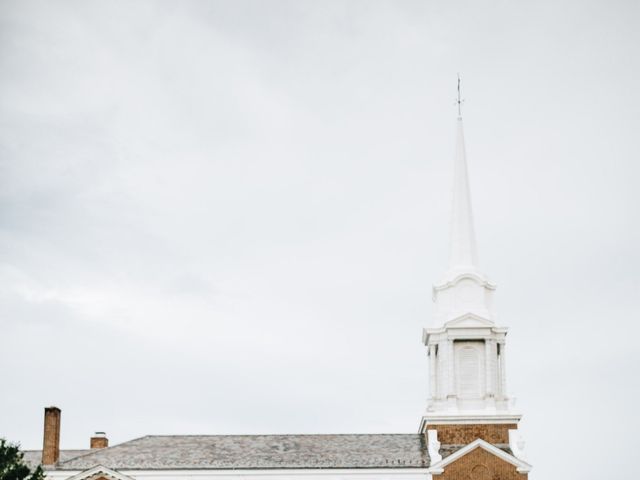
99, 442
51, 443
480, 465
463, 434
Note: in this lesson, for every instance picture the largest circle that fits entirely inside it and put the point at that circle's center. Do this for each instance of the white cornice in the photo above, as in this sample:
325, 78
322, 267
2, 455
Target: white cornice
452, 281
408, 473
463, 332
278, 472
469, 419
472, 319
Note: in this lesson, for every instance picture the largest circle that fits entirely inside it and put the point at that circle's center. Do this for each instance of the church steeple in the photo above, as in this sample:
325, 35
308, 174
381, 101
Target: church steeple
463, 254
468, 402
466, 349
463, 289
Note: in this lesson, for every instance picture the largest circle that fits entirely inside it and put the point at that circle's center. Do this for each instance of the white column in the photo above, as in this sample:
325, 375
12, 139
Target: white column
503, 371
443, 373
451, 390
433, 379
489, 364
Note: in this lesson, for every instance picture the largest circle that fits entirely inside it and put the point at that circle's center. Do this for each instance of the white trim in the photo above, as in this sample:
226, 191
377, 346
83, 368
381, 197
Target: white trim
521, 466
399, 473
100, 471
433, 446
463, 332
482, 321
517, 444
478, 277
468, 419
274, 472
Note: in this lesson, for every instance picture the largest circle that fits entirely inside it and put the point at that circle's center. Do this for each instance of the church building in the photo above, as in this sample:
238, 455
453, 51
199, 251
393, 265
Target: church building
469, 430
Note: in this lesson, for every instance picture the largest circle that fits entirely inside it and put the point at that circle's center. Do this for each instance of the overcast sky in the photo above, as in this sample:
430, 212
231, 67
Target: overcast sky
226, 216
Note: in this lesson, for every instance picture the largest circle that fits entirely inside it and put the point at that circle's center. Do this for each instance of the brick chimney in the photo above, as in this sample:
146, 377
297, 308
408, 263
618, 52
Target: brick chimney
99, 440
51, 443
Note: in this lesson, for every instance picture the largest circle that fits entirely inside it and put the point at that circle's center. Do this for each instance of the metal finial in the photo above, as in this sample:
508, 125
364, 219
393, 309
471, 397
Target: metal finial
459, 100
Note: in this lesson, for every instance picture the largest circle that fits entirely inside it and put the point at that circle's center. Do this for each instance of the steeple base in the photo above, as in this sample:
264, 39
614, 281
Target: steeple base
464, 429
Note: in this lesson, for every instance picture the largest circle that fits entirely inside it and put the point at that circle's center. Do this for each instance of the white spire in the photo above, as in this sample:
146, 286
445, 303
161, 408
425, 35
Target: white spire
462, 256
463, 289
467, 348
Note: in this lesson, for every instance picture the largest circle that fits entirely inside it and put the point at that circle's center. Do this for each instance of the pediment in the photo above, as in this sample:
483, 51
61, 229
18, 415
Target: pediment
99, 472
521, 466
469, 320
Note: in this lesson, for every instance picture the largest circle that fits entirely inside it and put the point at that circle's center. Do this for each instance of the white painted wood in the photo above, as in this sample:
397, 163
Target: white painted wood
433, 445
470, 374
298, 474
433, 371
521, 465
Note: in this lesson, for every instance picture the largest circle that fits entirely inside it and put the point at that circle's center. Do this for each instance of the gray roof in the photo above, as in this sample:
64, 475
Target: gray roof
258, 452
33, 457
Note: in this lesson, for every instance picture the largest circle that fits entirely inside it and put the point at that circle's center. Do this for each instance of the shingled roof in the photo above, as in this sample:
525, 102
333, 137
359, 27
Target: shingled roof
258, 452
33, 457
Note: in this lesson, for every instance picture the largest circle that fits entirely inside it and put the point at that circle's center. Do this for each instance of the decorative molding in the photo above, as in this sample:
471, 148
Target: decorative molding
98, 472
476, 276
433, 446
269, 474
464, 332
521, 465
517, 444
468, 419
471, 319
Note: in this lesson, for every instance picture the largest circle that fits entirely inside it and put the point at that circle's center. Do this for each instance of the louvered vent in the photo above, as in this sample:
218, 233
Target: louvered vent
470, 368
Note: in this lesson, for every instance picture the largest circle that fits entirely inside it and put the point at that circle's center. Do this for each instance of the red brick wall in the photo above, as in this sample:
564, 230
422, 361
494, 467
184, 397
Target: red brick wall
99, 442
463, 434
51, 441
480, 465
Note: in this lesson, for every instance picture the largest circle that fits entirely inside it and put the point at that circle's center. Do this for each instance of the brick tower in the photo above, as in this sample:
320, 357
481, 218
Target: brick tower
468, 403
